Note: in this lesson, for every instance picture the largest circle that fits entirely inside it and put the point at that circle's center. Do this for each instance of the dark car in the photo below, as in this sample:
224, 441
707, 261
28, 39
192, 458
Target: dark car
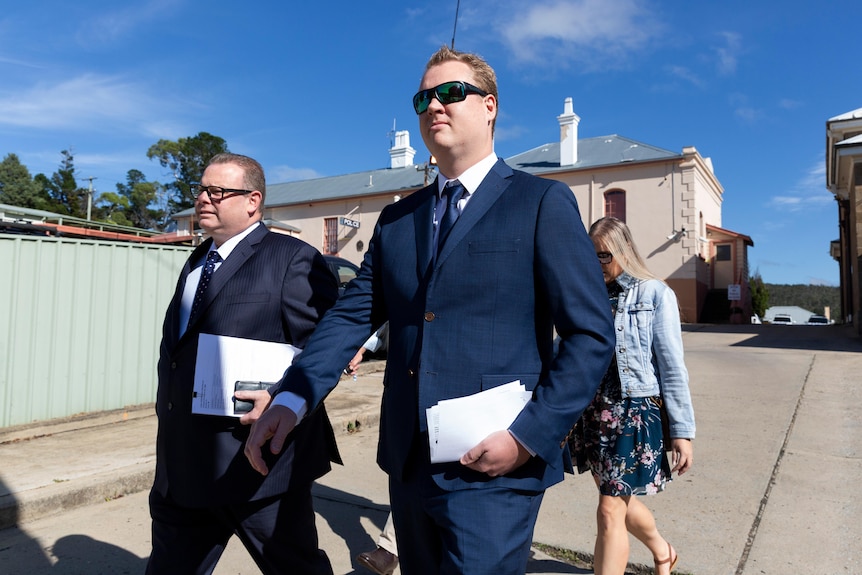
342, 269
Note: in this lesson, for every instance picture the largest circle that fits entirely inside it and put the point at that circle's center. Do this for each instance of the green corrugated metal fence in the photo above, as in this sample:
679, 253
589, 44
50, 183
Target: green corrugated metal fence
80, 324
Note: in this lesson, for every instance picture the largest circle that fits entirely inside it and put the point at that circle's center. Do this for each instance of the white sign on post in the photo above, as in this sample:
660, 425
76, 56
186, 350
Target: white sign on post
734, 292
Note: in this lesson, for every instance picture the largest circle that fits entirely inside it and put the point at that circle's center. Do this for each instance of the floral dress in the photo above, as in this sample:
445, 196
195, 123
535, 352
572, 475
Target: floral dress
619, 438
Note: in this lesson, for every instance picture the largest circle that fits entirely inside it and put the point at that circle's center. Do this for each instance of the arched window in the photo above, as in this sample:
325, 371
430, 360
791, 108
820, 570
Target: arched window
615, 204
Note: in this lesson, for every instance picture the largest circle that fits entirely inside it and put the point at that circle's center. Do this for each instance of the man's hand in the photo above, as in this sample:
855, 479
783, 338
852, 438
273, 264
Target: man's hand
260, 398
275, 424
354, 363
497, 454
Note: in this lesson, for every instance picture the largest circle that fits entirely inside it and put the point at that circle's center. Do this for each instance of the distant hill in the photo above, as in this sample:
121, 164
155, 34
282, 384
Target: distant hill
810, 297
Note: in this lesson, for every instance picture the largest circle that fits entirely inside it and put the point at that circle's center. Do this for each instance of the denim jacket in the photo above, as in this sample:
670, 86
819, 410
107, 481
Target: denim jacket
649, 349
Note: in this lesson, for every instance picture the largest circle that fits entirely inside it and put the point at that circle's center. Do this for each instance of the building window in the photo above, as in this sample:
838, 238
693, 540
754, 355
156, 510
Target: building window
615, 204
330, 235
722, 253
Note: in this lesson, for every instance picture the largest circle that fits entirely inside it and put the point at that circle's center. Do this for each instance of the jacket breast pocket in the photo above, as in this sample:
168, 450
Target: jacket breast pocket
493, 246
641, 317
247, 298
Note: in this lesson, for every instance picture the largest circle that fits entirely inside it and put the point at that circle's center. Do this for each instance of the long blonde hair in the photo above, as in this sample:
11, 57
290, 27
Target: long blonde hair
615, 235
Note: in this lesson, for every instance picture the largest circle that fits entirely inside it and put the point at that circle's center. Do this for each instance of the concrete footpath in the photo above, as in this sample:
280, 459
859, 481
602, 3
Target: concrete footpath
778, 455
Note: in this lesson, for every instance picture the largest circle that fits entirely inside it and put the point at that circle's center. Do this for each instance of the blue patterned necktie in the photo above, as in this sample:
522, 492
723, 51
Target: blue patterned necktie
213, 258
452, 193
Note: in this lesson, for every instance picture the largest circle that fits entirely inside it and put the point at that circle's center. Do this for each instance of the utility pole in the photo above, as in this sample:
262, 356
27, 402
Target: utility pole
90, 197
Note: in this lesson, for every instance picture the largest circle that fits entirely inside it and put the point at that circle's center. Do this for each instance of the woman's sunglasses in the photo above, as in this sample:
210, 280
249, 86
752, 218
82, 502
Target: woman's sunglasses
446, 93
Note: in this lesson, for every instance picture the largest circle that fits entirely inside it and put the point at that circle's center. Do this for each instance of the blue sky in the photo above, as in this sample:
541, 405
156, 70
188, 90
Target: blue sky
314, 88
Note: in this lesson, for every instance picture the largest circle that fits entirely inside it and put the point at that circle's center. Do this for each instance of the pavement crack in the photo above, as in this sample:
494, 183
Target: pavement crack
764, 501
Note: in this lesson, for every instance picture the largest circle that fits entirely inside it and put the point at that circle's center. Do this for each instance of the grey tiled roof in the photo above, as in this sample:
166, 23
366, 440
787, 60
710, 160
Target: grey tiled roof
599, 151
592, 152
347, 185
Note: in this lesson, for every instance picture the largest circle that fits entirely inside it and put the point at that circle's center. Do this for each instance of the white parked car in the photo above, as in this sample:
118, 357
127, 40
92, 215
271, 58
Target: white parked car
818, 320
782, 319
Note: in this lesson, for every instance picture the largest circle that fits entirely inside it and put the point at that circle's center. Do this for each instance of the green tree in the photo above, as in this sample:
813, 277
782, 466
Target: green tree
132, 204
759, 294
186, 158
17, 187
62, 189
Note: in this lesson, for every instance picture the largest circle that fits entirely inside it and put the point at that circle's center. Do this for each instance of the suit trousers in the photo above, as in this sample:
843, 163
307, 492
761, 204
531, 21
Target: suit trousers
279, 534
488, 530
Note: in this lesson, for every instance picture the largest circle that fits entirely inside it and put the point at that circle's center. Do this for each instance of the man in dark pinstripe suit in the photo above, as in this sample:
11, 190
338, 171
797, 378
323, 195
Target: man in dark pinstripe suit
263, 286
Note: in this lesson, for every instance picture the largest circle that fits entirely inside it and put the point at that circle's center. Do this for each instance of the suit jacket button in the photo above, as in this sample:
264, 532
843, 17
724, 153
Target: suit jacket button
429, 316
173, 365
170, 406
411, 373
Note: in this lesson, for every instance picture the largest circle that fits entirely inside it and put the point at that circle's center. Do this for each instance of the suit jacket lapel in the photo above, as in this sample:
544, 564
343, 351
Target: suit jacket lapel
489, 191
240, 254
173, 315
423, 218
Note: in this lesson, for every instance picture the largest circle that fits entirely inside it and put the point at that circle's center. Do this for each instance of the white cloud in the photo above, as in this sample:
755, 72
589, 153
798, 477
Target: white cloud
685, 74
283, 173
727, 55
788, 104
807, 193
107, 27
89, 102
591, 33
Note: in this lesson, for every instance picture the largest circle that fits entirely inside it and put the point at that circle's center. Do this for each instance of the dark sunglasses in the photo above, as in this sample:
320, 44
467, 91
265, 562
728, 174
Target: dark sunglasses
215, 193
605, 257
446, 93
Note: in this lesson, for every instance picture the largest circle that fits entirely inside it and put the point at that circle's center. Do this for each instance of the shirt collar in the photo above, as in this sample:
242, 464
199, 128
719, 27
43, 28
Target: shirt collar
226, 248
472, 177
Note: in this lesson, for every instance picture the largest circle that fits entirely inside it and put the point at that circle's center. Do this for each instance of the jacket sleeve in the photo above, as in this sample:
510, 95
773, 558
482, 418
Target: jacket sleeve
569, 281
672, 373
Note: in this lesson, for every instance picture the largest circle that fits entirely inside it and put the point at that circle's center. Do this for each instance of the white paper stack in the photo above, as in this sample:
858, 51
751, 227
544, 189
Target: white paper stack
457, 425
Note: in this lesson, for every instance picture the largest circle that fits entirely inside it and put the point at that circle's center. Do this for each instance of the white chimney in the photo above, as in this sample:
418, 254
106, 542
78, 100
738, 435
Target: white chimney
401, 153
568, 135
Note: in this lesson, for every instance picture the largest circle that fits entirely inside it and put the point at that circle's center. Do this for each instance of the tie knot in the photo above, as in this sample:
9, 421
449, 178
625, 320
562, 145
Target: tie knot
213, 257
453, 191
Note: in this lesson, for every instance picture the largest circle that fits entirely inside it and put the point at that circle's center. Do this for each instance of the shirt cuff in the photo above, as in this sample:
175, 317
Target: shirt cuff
295, 403
524, 445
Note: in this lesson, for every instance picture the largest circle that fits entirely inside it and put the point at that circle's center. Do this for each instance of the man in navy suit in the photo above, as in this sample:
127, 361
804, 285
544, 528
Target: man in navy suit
476, 311
263, 286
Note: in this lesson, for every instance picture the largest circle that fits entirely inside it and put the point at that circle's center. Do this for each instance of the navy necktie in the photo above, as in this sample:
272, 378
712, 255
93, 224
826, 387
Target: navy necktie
213, 258
452, 193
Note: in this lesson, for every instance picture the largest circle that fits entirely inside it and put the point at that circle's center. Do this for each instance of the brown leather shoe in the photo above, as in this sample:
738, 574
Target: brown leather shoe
380, 561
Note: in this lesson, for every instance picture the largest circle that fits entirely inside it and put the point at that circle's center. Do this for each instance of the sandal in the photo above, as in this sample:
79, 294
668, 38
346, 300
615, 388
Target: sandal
672, 558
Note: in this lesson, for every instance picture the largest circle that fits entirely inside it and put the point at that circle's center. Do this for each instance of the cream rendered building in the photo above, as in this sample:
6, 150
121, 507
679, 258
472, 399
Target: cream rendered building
844, 180
671, 201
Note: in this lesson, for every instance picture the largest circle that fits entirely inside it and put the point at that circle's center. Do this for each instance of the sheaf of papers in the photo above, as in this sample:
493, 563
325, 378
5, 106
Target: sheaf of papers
457, 425
224, 360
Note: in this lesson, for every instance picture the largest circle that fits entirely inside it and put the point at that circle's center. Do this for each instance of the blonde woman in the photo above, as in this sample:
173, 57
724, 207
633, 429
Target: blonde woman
619, 437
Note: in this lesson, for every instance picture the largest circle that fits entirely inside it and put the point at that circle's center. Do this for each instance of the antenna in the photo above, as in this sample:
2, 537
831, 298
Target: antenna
391, 134
455, 27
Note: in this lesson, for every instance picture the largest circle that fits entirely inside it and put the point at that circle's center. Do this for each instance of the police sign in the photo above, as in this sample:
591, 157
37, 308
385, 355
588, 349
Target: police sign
350, 223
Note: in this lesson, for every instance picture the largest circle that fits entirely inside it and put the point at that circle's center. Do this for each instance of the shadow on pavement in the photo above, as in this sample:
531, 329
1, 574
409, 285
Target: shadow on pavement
344, 512
807, 337
70, 555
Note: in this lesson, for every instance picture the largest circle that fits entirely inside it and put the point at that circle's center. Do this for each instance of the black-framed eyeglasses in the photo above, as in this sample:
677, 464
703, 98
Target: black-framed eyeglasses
446, 93
215, 193
605, 257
